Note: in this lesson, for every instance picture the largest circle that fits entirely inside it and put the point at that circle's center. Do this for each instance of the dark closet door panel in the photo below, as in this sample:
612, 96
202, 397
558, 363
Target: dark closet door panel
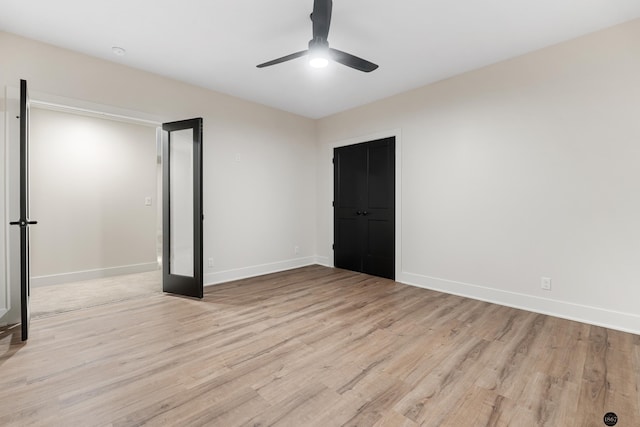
351, 173
379, 235
381, 177
379, 257
347, 245
364, 207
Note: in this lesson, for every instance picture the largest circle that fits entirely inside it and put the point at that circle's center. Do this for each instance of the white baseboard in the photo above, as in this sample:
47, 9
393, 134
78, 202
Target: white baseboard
76, 276
324, 261
256, 270
626, 322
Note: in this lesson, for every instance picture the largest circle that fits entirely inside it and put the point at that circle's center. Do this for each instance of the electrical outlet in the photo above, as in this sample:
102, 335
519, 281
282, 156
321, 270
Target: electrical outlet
210, 262
545, 283
296, 250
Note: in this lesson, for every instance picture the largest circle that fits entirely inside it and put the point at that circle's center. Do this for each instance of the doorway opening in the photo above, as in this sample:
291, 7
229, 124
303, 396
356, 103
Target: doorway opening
364, 207
96, 189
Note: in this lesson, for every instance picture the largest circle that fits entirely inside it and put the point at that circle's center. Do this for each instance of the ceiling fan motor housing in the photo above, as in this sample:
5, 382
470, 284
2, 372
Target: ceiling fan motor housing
318, 43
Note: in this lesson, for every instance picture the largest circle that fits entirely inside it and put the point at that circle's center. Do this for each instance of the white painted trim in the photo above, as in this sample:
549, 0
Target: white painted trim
92, 109
256, 270
324, 261
12, 109
4, 213
397, 133
76, 276
626, 322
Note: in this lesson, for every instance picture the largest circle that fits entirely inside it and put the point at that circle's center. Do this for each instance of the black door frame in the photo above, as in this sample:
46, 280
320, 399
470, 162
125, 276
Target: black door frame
397, 134
173, 283
24, 221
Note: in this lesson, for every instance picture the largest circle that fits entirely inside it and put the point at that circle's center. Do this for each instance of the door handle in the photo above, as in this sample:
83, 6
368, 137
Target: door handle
23, 223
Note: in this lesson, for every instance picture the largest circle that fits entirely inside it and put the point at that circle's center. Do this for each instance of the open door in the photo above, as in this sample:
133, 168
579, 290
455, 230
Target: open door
182, 208
24, 221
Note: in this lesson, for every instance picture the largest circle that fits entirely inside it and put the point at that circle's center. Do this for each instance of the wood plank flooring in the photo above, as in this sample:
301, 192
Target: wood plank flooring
55, 299
316, 347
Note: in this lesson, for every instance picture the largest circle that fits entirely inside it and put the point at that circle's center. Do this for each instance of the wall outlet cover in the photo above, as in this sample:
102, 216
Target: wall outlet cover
545, 283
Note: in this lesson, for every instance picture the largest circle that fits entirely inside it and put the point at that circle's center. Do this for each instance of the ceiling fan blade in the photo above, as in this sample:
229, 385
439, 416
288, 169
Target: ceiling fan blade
352, 61
283, 59
321, 19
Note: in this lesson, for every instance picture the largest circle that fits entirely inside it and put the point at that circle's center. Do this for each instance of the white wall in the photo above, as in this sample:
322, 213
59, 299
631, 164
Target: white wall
527, 168
89, 180
259, 163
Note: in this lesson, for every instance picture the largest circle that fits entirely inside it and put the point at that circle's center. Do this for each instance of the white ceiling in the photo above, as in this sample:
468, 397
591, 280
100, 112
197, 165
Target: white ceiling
217, 44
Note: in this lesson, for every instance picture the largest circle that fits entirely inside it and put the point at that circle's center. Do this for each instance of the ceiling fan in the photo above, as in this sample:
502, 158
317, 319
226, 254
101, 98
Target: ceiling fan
319, 51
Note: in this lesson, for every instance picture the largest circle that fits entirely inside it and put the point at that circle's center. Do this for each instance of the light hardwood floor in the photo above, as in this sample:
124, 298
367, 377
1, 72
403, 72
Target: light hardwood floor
316, 347
56, 299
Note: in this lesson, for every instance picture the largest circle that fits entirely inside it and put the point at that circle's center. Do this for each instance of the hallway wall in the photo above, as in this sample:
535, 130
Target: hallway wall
89, 180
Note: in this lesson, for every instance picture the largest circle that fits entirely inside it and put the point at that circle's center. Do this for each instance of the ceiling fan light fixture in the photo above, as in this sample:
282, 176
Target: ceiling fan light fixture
318, 55
318, 61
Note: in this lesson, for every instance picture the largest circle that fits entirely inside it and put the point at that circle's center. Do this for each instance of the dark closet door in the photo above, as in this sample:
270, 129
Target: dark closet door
182, 208
364, 207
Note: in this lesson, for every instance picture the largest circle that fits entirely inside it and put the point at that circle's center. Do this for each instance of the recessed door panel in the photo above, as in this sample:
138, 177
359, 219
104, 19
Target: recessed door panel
380, 182
351, 168
379, 233
347, 257
379, 253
